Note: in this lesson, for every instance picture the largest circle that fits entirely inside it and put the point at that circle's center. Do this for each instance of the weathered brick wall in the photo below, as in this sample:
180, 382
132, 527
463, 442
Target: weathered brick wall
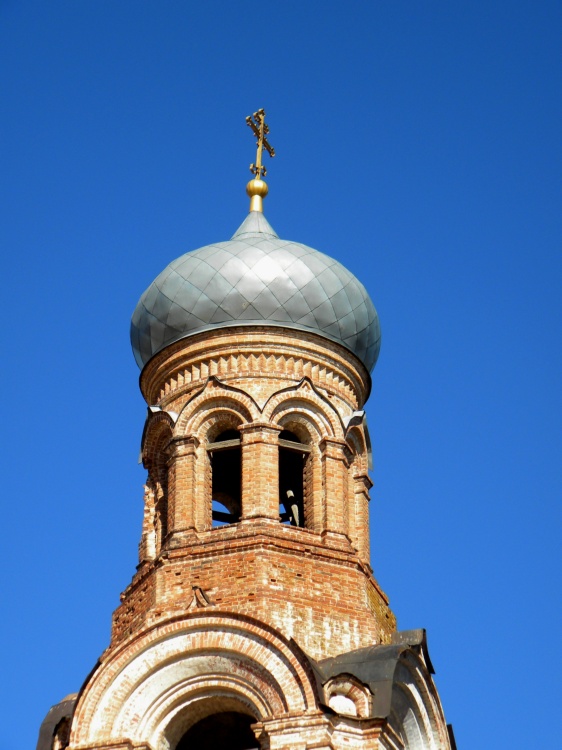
136, 601
319, 594
313, 583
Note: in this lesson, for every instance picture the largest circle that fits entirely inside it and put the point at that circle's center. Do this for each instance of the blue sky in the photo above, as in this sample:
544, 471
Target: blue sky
418, 143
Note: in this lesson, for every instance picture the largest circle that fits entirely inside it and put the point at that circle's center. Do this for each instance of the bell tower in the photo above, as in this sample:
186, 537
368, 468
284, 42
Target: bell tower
254, 619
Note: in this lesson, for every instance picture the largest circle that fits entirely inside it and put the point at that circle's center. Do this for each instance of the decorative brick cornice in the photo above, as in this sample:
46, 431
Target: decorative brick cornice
183, 446
259, 432
254, 351
363, 482
336, 448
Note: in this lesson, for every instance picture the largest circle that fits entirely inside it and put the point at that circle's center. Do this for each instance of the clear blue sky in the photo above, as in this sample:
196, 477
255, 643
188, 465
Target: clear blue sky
418, 143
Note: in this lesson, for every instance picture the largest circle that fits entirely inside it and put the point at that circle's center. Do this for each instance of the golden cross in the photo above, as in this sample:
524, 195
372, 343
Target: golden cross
260, 130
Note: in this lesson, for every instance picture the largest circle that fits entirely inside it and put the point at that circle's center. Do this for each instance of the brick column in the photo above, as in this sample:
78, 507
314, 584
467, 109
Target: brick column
147, 546
260, 471
334, 480
361, 486
182, 476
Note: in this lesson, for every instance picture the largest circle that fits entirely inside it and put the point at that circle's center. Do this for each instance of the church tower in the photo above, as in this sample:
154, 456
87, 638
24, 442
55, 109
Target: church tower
254, 619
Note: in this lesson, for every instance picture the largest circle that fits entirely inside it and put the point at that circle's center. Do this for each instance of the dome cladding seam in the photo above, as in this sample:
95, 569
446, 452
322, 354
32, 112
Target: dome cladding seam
255, 279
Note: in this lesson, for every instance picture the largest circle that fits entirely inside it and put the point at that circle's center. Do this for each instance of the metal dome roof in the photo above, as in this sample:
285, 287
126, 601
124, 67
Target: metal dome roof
255, 279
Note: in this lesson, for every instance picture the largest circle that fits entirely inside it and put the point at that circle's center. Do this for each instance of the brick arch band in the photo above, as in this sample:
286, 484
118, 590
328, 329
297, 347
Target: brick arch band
416, 711
152, 688
214, 396
157, 433
306, 399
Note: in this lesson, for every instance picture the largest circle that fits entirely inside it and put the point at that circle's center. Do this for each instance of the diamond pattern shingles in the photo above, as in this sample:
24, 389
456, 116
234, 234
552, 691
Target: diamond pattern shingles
252, 279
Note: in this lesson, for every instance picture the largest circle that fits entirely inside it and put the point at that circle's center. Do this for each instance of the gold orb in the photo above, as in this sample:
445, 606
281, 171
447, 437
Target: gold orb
257, 187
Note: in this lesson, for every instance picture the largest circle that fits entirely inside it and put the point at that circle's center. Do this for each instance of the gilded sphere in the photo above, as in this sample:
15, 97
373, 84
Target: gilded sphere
257, 187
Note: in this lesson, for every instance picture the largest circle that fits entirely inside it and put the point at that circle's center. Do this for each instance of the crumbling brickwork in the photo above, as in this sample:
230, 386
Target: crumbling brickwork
313, 583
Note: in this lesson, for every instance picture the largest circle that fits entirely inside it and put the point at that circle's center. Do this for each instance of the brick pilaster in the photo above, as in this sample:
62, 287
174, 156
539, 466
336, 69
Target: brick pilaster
182, 473
334, 479
361, 486
260, 471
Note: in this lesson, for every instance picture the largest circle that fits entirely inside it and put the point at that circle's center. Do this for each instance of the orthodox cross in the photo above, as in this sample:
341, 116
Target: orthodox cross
260, 130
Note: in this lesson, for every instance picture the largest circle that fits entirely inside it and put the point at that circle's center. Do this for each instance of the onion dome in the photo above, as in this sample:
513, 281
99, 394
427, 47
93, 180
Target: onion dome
256, 279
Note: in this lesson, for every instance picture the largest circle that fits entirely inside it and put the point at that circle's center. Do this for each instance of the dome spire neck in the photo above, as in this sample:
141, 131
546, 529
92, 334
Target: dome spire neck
257, 189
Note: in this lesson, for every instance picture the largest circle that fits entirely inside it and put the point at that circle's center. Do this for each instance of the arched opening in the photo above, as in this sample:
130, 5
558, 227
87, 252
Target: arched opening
293, 459
156, 443
161, 506
225, 456
157, 483
228, 730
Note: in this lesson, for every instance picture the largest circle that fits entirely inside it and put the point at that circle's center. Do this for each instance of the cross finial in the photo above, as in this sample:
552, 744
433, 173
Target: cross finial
260, 130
